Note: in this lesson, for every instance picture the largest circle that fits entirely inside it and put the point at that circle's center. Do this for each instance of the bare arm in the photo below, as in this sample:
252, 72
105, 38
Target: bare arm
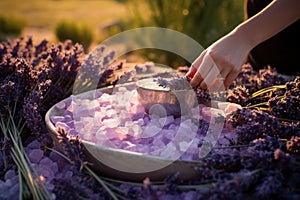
278, 15
226, 56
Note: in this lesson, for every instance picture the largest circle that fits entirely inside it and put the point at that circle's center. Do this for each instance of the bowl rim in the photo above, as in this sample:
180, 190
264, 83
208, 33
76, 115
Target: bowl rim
160, 89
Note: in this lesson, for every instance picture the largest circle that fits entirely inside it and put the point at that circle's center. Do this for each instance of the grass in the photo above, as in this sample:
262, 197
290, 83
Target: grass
46, 13
42, 16
31, 186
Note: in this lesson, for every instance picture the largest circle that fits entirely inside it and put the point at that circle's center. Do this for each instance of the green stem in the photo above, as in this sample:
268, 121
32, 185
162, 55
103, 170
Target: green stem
104, 184
59, 153
25, 168
257, 105
266, 90
195, 186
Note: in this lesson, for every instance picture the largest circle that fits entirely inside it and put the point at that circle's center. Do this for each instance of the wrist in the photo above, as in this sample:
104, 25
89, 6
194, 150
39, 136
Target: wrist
246, 36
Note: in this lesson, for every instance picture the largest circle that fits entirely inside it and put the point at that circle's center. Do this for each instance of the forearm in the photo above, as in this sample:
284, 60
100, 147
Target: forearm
275, 17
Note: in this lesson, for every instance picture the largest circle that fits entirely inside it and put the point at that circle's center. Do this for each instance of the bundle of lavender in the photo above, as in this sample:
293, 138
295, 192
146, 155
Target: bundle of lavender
261, 162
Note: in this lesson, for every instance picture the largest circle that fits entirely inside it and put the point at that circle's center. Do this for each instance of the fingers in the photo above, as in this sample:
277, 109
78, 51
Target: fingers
195, 65
204, 62
211, 75
230, 77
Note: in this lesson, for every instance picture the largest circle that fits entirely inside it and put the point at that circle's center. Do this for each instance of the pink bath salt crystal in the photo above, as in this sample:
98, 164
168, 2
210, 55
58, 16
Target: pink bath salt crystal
136, 130
35, 155
137, 109
45, 171
137, 116
183, 146
78, 125
134, 98
73, 132
183, 134
158, 142
206, 114
165, 121
98, 117
117, 143
150, 131
34, 145
60, 105
127, 145
231, 107
93, 104
54, 167
122, 104
72, 106
110, 133
68, 175
121, 133
130, 148
146, 120
122, 130
172, 127
67, 112
105, 99
128, 124
196, 112
46, 161
63, 126
111, 123
68, 118
87, 137
123, 114
55, 119
169, 134
156, 150
111, 113
70, 124
86, 120
209, 114
170, 151
139, 122
96, 94
127, 95
194, 150
68, 101
122, 89
186, 156
86, 112
50, 187
177, 121
142, 148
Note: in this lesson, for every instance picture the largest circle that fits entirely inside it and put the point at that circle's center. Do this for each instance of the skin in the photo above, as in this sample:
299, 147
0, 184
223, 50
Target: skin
224, 58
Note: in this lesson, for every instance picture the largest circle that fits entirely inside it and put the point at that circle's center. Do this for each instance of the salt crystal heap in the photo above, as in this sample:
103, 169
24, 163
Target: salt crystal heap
119, 121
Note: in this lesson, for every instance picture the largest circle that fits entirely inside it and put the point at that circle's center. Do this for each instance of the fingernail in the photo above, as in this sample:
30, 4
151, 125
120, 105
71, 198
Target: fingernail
191, 73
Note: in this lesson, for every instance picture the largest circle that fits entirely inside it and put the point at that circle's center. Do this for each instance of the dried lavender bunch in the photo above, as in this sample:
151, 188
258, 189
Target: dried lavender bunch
255, 81
175, 83
252, 124
239, 95
288, 105
293, 145
183, 83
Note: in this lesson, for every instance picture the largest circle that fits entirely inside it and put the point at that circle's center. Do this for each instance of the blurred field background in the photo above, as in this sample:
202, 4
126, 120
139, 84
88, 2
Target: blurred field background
96, 20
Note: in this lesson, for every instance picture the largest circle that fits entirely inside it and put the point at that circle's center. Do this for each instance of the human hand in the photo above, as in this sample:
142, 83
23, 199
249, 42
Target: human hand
217, 66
